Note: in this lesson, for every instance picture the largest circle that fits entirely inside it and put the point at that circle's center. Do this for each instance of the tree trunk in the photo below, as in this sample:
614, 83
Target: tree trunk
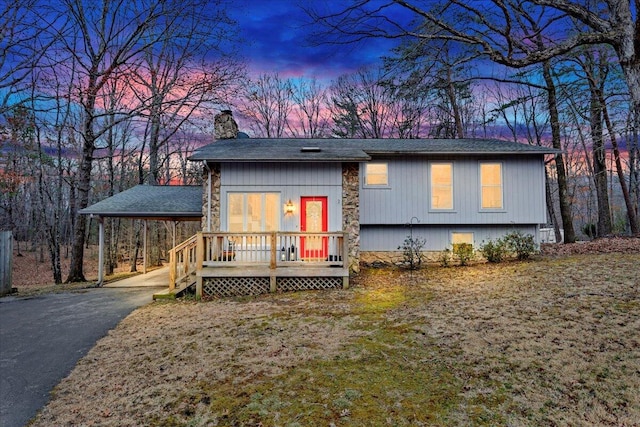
551, 209
76, 273
154, 145
451, 92
631, 209
563, 192
634, 169
599, 164
133, 261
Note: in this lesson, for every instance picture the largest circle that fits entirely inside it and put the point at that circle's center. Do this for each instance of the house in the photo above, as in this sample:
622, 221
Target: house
287, 214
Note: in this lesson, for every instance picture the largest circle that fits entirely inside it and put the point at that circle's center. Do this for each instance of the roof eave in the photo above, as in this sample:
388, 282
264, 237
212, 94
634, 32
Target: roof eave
459, 153
282, 160
143, 215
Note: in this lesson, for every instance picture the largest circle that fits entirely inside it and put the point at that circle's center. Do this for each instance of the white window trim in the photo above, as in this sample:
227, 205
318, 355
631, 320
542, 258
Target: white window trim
453, 201
364, 175
501, 208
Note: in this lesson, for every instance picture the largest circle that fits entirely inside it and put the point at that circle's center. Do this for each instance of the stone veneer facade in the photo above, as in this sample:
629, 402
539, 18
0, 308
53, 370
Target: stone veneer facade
215, 199
373, 258
351, 212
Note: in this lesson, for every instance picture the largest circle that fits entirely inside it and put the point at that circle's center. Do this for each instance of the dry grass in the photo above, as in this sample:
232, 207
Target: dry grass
552, 341
32, 274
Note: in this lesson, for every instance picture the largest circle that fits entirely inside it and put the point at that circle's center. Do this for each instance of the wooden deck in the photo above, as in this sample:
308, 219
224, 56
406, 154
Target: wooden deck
226, 264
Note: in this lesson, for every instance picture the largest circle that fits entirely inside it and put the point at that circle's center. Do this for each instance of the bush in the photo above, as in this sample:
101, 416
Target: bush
522, 245
445, 258
494, 250
464, 252
412, 252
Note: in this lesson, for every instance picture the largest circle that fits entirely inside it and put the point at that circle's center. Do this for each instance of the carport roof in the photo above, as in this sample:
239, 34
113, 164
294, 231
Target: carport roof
164, 203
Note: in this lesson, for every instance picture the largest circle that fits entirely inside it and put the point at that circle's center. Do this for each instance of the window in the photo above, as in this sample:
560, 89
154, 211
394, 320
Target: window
458, 239
491, 185
250, 212
441, 186
376, 174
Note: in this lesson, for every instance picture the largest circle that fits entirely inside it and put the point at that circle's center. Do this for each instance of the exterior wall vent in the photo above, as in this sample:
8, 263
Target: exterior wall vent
310, 149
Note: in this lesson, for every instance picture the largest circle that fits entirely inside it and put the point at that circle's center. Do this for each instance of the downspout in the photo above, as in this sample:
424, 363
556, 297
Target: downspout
206, 165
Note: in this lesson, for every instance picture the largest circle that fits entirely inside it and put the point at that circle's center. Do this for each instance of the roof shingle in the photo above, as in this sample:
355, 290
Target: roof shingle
337, 150
173, 202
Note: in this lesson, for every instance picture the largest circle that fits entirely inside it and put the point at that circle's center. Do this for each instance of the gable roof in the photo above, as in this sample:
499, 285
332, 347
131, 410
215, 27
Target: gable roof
175, 202
338, 150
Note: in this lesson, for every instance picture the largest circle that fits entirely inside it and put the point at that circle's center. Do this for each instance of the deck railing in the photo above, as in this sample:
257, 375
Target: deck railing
182, 261
272, 249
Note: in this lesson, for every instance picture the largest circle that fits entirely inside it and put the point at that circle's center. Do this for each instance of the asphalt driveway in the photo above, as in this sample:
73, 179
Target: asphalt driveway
42, 338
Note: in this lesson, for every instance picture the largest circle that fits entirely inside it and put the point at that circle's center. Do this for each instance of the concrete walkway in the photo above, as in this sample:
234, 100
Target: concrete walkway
158, 278
43, 337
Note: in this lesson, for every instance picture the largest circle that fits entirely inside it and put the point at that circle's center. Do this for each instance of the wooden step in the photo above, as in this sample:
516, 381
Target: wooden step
165, 294
171, 293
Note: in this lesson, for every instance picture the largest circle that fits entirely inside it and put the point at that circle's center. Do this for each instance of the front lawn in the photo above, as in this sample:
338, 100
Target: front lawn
552, 341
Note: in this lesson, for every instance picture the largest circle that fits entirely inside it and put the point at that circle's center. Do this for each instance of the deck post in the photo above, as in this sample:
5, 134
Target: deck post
272, 261
100, 251
173, 268
199, 263
345, 259
144, 246
198, 288
273, 264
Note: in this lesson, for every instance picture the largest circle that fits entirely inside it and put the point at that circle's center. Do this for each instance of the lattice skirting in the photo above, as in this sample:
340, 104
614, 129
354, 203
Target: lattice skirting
218, 287
308, 283
234, 286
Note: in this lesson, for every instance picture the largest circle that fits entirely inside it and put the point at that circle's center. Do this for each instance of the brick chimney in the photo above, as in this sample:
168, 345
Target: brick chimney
225, 126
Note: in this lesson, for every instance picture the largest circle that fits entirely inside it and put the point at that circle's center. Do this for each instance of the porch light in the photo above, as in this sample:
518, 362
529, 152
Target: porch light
289, 208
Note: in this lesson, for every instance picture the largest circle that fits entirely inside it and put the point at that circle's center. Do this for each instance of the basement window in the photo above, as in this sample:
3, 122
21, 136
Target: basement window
459, 239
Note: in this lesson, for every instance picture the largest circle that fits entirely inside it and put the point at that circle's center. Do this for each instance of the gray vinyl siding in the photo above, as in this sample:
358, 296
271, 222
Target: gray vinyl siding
438, 238
281, 174
292, 181
408, 193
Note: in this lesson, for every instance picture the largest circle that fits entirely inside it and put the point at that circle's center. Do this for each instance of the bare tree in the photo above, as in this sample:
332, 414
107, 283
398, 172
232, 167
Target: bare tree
361, 105
440, 71
594, 67
23, 41
267, 102
309, 99
102, 42
494, 28
174, 80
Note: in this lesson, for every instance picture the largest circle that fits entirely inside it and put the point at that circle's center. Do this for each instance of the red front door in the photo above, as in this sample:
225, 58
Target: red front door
313, 219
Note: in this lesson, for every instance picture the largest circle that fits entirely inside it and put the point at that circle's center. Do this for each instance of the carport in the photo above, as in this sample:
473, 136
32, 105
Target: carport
171, 203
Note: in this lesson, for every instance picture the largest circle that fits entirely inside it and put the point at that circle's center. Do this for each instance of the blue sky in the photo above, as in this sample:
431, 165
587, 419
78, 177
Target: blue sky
276, 35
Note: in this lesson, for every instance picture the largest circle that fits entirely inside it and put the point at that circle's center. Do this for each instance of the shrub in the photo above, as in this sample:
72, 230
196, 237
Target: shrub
412, 252
445, 258
522, 245
464, 252
494, 250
